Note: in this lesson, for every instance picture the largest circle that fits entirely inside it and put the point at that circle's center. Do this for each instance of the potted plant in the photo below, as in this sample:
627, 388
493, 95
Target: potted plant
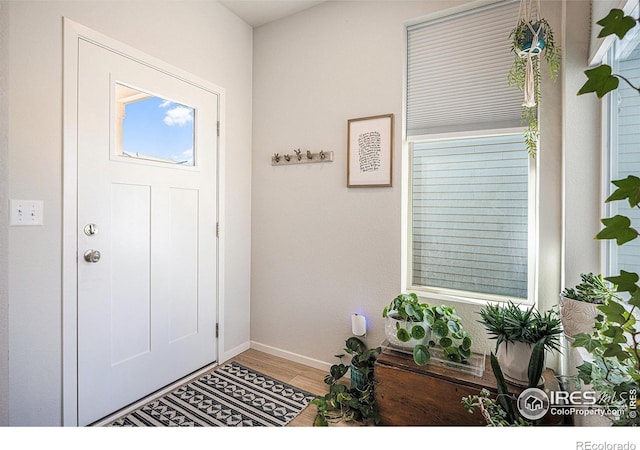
614, 345
419, 327
578, 304
516, 331
405, 323
532, 39
362, 361
355, 402
502, 410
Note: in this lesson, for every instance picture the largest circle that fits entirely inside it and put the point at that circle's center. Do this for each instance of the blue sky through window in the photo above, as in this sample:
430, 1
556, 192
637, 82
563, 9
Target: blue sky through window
157, 128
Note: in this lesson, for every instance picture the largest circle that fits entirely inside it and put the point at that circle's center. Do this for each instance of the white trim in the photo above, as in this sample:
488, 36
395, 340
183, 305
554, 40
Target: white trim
597, 54
533, 251
405, 178
464, 134
230, 354
607, 154
290, 356
72, 34
472, 298
69, 230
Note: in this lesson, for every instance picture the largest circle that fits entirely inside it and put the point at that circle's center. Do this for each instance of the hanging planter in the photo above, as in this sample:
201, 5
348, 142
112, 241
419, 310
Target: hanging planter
532, 40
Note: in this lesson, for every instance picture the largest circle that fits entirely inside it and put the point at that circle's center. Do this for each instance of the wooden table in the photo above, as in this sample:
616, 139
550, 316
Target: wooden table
412, 395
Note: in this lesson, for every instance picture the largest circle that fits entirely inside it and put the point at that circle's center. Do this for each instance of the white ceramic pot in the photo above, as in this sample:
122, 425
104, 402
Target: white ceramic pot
391, 333
577, 317
514, 361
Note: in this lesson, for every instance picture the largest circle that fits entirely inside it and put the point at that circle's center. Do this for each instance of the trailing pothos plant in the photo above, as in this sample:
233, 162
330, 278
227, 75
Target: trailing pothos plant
615, 343
442, 322
354, 402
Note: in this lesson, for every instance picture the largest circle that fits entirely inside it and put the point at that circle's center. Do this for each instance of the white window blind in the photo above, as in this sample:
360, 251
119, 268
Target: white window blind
457, 70
626, 148
469, 207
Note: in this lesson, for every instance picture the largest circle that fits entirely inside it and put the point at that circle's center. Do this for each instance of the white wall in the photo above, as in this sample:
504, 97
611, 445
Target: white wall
584, 200
321, 251
203, 38
4, 217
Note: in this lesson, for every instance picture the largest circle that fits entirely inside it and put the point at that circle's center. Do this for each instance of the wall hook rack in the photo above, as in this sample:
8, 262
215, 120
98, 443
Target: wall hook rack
311, 157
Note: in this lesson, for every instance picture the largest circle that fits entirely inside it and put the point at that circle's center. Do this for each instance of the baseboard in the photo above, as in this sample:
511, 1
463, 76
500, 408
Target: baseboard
226, 356
315, 363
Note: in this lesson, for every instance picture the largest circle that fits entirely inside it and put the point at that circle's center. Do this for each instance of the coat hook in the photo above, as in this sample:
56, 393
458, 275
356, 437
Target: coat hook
287, 157
322, 155
299, 153
309, 155
276, 157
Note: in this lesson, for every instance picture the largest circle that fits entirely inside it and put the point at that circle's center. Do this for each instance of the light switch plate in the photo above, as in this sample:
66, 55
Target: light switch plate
26, 212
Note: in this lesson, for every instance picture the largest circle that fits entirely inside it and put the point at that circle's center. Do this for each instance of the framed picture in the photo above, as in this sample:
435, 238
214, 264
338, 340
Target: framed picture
369, 151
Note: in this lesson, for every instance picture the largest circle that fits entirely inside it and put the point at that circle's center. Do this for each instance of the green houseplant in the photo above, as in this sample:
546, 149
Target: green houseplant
517, 331
420, 327
578, 304
614, 345
532, 39
353, 402
592, 289
502, 411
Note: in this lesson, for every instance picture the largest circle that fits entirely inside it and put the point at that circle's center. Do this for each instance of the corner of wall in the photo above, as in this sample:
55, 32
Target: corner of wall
4, 176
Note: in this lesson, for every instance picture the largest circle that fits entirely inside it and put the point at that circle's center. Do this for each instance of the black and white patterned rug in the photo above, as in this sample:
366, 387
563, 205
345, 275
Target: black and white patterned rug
230, 396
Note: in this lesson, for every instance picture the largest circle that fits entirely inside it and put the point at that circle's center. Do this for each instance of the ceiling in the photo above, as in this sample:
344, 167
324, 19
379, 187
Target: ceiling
260, 12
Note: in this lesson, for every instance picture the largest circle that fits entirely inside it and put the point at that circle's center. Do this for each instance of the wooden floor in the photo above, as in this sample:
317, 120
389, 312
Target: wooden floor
295, 374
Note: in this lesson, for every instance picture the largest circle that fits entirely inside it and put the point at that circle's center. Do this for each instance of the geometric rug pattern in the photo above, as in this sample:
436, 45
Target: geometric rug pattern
230, 396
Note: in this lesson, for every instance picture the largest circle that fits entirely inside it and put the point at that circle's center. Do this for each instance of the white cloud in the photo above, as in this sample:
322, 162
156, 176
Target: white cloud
165, 103
186, 157
179, 115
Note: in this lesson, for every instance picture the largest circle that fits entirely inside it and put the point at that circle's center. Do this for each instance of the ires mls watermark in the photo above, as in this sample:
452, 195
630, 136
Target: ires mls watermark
534, 403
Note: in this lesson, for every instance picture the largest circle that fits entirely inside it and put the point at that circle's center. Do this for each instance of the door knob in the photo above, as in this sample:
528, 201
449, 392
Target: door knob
92, 256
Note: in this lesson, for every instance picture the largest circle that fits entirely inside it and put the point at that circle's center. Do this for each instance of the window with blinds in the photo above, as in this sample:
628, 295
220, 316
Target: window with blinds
457, 70
625, 148
470, 218
471, 198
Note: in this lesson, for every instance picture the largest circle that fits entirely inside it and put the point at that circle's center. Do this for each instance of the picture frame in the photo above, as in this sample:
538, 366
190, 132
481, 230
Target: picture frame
370, 151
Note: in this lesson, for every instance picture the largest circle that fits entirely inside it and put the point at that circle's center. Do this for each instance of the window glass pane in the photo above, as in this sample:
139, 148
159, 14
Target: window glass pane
470, 201
626, 148
153, 128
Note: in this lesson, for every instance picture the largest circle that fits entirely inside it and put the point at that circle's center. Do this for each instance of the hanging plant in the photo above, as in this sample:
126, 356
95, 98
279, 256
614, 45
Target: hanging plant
532, 40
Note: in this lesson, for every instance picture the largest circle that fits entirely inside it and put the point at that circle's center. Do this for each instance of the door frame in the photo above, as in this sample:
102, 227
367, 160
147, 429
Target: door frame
73, 32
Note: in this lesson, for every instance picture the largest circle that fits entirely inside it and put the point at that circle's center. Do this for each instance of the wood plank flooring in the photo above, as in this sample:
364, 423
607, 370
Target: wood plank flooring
295, 374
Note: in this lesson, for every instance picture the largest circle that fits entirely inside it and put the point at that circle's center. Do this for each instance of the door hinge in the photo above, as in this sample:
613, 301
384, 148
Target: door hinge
217, 329
217, 229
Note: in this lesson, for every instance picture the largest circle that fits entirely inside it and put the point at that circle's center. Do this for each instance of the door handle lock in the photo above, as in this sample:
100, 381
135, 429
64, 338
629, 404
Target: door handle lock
92, 256
91, 229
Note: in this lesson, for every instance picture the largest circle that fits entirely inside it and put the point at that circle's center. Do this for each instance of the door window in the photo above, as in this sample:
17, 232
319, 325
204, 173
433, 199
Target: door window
153, 128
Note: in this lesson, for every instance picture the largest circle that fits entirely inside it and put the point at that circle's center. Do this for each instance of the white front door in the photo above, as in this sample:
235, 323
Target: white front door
147, 213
